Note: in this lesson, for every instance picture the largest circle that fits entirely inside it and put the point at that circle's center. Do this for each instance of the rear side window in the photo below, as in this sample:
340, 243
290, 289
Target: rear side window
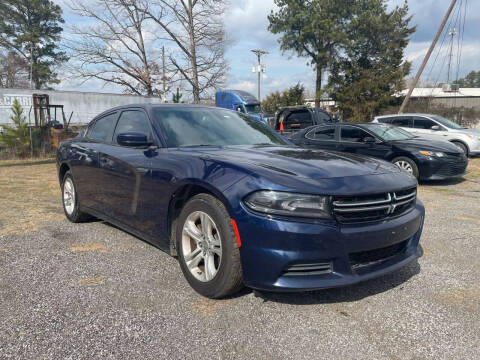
385, 120
354, 134
133, 121
322, 133
102, 129
423, 123
298, 120
403, 122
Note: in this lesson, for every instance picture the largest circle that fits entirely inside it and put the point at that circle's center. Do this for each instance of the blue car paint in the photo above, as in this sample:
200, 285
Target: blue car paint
231, 99
134, 188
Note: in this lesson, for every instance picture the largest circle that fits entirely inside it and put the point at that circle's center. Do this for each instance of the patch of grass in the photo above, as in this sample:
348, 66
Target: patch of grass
29, 197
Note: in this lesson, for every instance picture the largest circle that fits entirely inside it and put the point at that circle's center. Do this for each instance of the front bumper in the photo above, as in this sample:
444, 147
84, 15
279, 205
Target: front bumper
281, 255
433, 168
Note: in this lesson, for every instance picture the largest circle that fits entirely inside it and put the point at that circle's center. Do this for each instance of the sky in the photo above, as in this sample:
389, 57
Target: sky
246, 25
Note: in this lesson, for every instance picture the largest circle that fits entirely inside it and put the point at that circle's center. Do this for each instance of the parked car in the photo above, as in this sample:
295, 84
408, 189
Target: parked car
295, 118
241, 101
436, 128
425, 159
237, 203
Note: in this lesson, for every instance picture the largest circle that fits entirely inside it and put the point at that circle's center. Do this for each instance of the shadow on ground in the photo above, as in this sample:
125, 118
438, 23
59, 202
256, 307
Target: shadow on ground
345, 294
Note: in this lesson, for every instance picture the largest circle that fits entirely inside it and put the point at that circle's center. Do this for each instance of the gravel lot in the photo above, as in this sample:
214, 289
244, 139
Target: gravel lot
85, 291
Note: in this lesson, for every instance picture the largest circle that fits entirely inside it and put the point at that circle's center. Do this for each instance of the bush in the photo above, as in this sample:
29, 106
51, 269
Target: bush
17, 138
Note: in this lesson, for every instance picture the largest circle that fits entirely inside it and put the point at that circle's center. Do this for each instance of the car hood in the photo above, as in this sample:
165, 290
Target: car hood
429, 145
468, 131
294, 161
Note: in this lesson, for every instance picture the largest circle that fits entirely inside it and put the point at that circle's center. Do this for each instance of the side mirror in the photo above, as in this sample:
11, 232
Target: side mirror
435, 128
132, 139
369, 140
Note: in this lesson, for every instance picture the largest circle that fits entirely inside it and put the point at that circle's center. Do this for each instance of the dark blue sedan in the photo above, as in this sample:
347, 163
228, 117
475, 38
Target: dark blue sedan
237, 203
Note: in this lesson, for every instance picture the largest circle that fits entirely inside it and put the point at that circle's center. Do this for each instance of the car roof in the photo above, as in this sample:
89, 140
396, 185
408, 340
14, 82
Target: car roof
148, 107
404, 114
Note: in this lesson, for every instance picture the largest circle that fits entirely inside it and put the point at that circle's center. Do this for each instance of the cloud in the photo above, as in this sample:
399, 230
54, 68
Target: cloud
247, 28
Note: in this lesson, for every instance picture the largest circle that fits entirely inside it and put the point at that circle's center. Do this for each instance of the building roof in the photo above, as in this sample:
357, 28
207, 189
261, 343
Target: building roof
440, 93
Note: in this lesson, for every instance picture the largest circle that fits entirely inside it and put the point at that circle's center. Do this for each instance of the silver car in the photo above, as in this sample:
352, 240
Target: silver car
436, 127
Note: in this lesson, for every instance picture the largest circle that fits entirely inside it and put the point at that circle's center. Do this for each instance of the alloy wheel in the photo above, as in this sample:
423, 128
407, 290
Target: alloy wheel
69, 196
201, 246
404, 165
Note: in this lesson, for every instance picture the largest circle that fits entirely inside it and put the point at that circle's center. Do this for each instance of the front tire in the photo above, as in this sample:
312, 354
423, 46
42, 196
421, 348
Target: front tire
207, 248
406, 164
70, 200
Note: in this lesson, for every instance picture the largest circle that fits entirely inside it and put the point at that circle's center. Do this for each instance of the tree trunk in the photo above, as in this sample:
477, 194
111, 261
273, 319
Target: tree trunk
318, 86
193, 58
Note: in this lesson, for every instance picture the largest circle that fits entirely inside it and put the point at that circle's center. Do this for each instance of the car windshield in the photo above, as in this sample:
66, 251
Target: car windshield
253, 108
388, 132
197, 126
447, 123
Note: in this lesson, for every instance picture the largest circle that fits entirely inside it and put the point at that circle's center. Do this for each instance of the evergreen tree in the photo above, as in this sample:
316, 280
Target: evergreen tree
370, 68
31, 28
294, 95
472, 80
17, 137
312, 29
177, 98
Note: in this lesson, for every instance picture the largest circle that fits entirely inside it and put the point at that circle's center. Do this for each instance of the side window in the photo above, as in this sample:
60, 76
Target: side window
423, 123
102, 129
133, 121
403, 122
322, 133
385, 120
353, 134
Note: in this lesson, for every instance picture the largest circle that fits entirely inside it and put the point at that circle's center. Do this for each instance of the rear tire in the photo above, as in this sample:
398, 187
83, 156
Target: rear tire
461, 146
407, 164
207, 248
70, 200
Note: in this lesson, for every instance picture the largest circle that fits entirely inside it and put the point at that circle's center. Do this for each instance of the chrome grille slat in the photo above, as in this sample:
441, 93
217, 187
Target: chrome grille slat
373, 207
349, 204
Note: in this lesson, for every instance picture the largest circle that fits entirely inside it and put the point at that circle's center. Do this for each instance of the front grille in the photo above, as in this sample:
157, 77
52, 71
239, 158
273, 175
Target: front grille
455, 165
365, 258
309, 269
354, 209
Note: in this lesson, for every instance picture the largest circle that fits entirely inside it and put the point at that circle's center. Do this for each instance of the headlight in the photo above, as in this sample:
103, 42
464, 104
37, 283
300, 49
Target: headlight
432, 153
289, 204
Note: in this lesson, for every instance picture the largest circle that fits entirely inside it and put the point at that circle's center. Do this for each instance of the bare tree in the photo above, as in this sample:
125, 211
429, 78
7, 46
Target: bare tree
14, 71
114, 46
196, 29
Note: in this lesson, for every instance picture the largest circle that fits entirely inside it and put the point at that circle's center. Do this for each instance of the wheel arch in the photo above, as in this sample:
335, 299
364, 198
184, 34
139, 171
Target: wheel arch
453, 141
64, 167
180, 197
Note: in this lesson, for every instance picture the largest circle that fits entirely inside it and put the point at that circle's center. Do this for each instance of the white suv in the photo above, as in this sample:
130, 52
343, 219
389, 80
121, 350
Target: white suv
436, 128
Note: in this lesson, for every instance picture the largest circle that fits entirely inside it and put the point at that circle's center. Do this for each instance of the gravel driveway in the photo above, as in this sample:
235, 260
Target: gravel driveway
92, 291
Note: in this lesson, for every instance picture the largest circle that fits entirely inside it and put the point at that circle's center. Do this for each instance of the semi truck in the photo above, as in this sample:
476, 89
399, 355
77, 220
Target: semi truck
239, 100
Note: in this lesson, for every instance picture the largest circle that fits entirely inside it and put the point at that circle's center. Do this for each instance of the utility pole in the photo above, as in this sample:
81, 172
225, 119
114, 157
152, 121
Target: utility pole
452, 33
259, 68
427, 56
164, 79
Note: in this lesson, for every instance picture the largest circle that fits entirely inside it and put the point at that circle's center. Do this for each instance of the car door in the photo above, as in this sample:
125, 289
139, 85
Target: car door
422, 126
352, 140
321, 137
85, 160
126, 173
